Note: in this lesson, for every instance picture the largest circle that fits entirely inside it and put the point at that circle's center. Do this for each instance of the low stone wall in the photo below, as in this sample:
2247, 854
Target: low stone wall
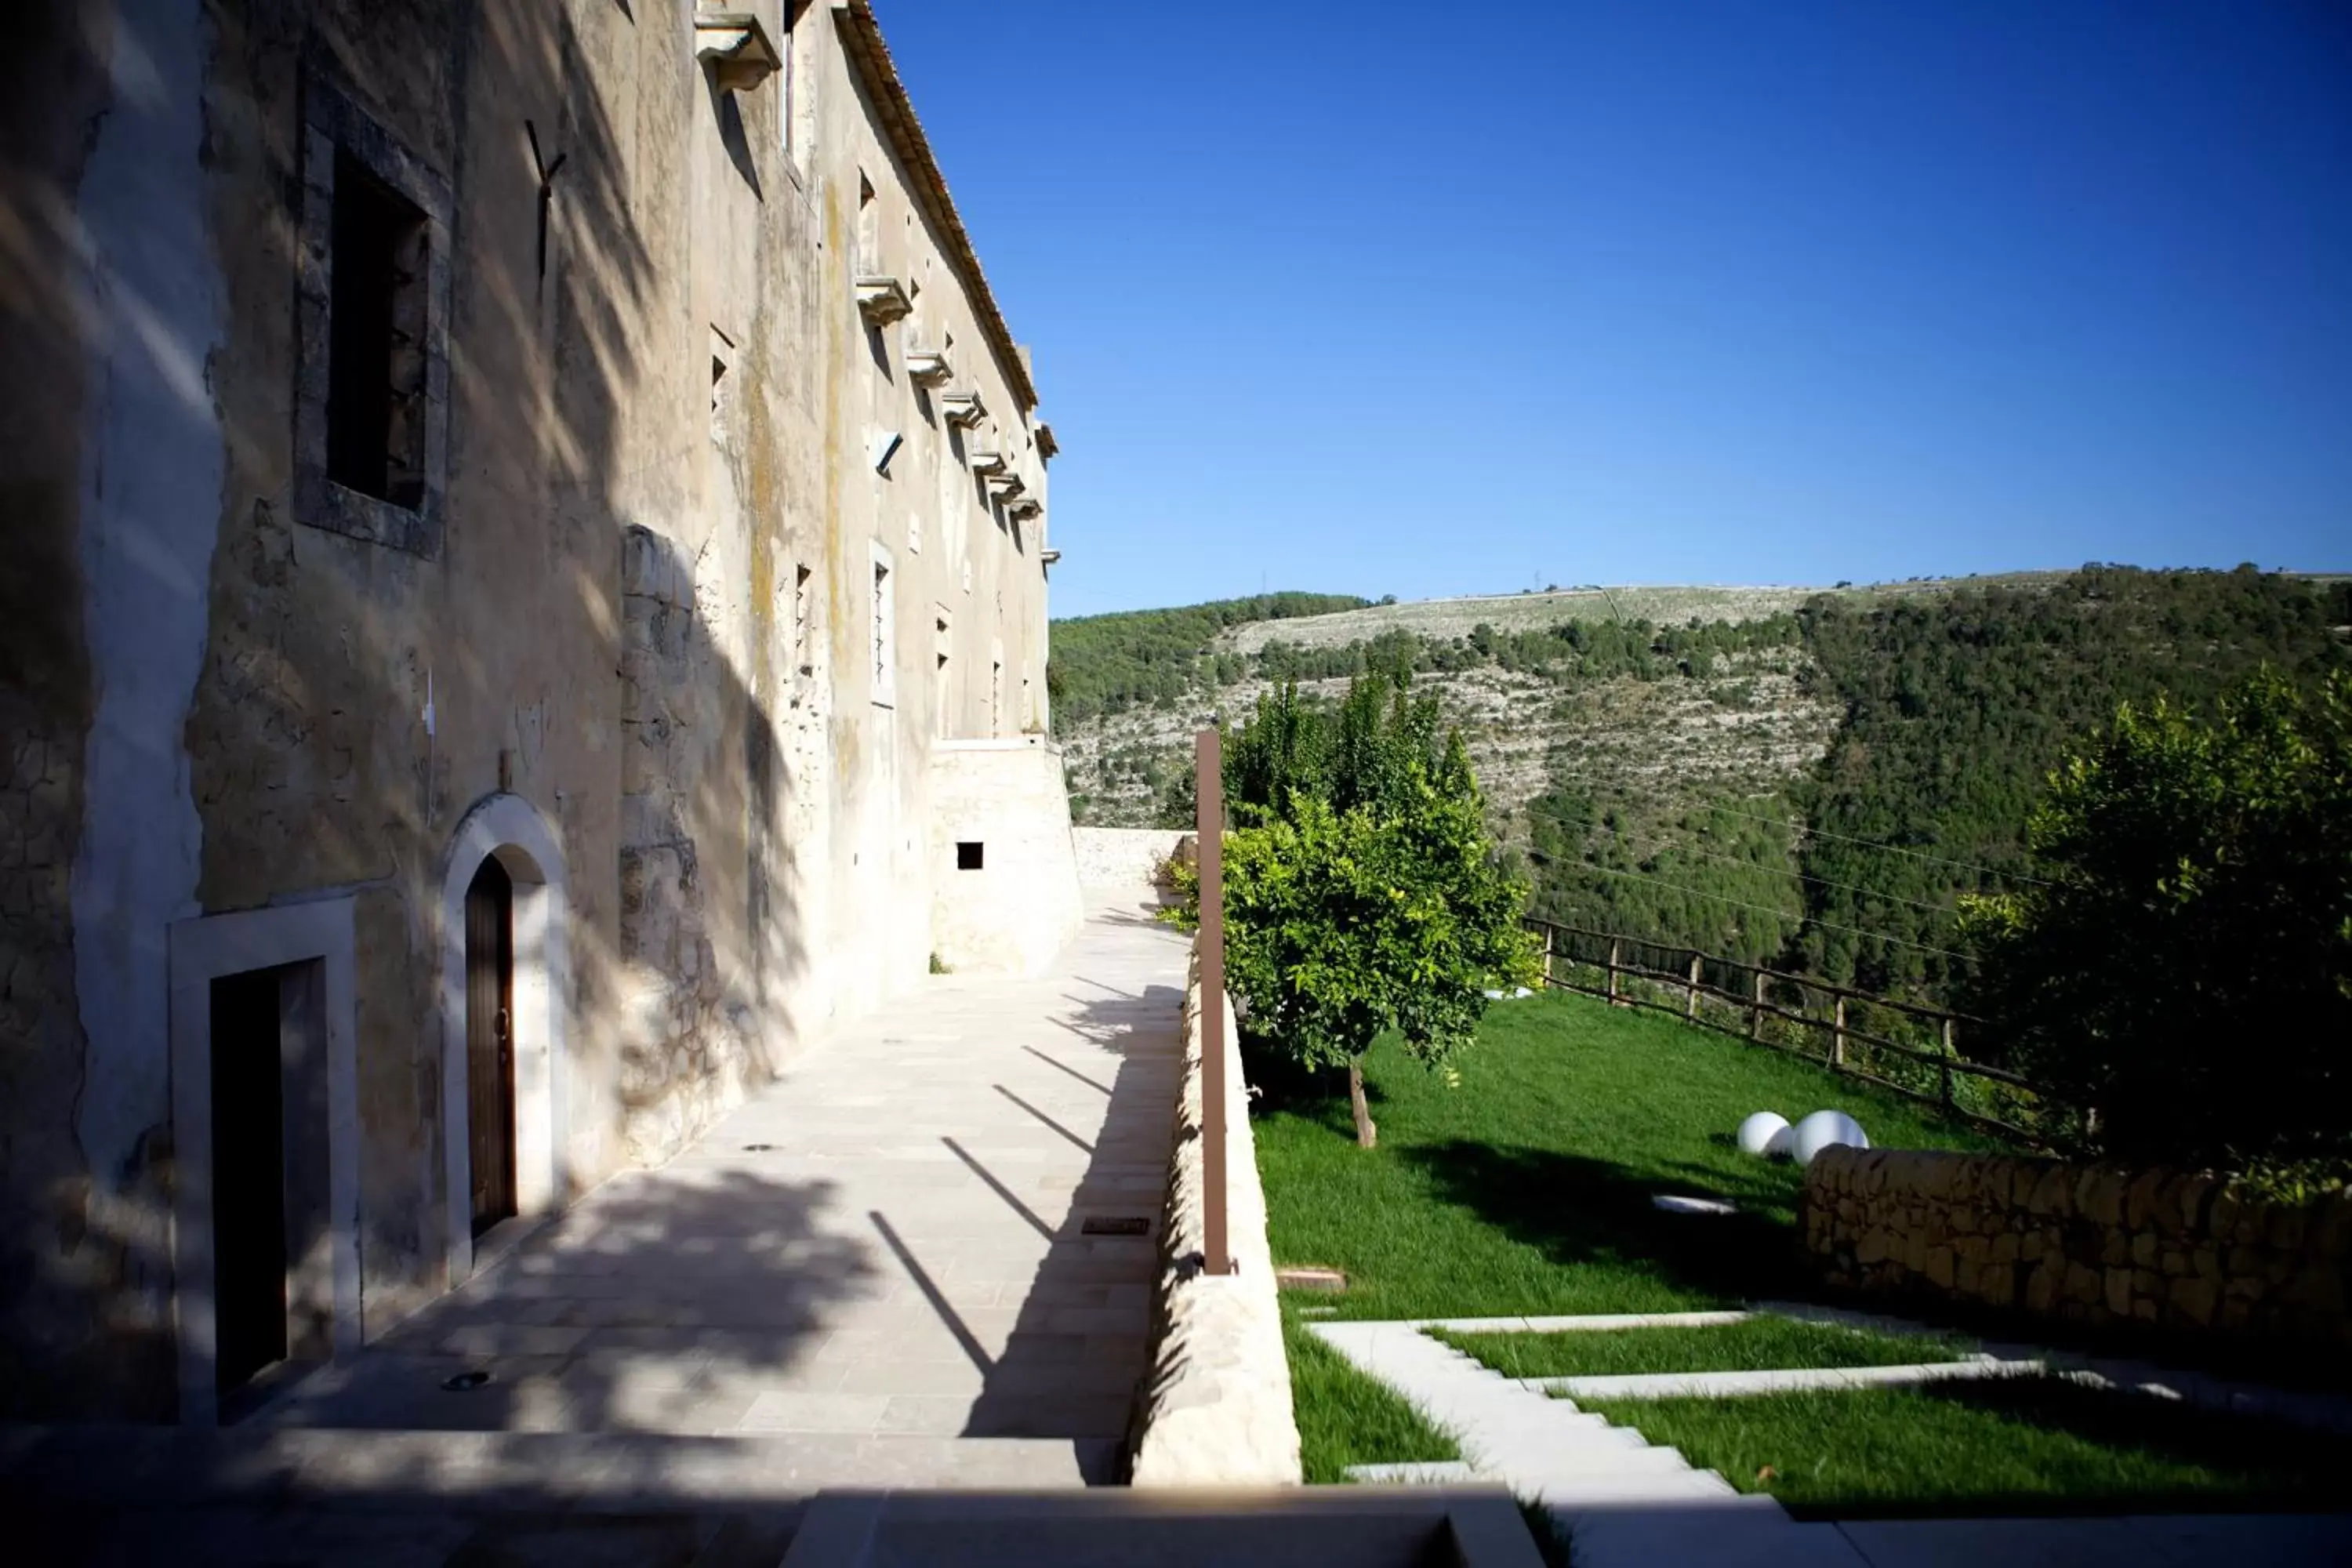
1128, 857
2084, 1244
1216, 1410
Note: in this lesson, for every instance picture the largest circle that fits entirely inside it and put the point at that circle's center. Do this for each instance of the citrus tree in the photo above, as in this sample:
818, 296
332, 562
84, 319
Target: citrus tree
1386, 908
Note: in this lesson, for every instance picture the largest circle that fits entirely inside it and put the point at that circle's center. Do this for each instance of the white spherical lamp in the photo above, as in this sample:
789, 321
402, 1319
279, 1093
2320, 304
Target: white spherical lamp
1823, 1129
1778, 1146
1756, 1133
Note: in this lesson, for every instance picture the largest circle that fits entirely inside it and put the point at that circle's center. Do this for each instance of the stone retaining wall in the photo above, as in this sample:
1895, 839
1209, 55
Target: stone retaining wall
1217, 1410
1127, 858
2085, 1244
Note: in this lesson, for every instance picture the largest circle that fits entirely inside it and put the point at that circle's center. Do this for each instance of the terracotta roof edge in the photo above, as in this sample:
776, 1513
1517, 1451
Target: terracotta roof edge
897, 110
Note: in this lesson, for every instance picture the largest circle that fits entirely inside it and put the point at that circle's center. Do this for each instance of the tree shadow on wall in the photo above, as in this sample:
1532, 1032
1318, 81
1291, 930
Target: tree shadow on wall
307, 741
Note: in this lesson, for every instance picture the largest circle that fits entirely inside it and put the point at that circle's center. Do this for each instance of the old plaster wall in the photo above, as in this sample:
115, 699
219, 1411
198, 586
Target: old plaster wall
1022, 904
647, 614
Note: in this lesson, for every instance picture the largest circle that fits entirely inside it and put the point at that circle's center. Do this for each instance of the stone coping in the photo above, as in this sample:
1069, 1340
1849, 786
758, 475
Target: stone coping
1216, 1409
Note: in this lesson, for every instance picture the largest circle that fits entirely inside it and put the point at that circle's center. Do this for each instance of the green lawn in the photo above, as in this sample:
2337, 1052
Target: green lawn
1347, 1418
2007, 1445
1759, 1344
1526, 1189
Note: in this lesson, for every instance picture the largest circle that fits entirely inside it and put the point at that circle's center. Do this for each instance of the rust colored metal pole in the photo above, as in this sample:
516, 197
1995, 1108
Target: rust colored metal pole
1209, 795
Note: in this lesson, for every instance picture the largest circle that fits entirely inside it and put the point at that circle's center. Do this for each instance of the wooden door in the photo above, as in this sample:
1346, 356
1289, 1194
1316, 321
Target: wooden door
490, 1043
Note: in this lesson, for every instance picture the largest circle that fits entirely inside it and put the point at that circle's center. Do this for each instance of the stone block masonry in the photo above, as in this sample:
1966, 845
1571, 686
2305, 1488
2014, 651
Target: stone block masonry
2094, 1245
1128, 857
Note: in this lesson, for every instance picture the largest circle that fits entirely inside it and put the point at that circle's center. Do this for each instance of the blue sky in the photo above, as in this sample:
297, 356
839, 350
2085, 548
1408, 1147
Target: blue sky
1453, 299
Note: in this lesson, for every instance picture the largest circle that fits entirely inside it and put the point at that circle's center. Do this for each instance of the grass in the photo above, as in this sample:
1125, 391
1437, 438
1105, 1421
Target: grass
1527, 1189
2009, 1446
1759, 1344
1347, 1418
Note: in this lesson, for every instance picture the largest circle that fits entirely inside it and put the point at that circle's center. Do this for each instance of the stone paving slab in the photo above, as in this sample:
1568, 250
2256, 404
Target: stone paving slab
1793, 1380
887, 1243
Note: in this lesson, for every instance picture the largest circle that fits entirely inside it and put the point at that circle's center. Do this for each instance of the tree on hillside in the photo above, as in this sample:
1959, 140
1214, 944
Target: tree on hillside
1368, 895
2185, 962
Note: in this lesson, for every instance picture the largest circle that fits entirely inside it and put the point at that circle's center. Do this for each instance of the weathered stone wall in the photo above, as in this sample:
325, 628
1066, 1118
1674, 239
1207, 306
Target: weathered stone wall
643, 610
1217, 1409
1022, 906
2084, 1244
1125, 857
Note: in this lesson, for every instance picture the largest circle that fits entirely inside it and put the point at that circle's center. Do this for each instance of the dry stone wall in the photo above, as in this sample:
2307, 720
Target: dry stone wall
2095, 1245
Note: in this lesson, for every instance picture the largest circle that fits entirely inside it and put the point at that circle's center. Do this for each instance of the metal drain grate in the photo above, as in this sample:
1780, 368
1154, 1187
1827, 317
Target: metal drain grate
1116, 1225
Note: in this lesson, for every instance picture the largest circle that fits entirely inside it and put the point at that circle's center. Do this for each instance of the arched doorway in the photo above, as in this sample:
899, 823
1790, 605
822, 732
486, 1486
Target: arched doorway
490, 1045
505, 993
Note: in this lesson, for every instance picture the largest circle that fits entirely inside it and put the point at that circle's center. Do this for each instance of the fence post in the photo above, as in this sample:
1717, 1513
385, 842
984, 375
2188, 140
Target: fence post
1209, 826
1756, 1013
1549, 933
1690, 990
1947, 1065
1612, 972
1837, 1037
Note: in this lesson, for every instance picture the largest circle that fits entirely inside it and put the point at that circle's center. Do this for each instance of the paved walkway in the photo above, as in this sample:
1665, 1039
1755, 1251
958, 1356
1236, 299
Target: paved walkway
893, 1241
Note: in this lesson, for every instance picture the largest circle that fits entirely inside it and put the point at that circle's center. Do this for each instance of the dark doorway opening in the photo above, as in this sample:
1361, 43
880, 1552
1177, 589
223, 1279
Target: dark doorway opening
490, 1043
248, 1176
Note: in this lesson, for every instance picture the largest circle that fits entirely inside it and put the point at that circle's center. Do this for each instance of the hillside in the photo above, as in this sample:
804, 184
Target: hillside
1445, 618
1788, 773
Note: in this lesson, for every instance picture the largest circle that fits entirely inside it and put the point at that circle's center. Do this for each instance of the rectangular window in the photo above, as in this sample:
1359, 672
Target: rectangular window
803, 623
784, 103
869, 229
967, 854
942, 648
376, 347
884, 634
722, 390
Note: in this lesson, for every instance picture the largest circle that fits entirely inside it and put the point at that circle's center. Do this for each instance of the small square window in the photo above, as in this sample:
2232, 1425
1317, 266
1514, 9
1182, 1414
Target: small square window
967, 854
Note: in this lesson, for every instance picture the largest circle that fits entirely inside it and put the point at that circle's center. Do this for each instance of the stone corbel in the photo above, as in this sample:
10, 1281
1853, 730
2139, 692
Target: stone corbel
929, 367
734, 48
987, 464
882, 301
1005, 486
964, 408
1023, 506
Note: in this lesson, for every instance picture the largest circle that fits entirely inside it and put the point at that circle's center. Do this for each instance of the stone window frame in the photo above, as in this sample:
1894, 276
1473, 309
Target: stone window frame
882, 629
333, 122
200, 950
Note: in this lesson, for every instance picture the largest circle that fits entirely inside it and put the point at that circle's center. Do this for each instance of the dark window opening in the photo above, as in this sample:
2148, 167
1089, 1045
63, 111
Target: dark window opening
375, 369
967, 854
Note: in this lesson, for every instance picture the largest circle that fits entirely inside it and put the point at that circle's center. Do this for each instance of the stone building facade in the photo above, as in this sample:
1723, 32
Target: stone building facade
506, 503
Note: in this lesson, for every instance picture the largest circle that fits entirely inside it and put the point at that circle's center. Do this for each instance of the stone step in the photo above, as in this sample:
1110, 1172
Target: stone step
603, 1470
1422, 1473
1537, 1456
1736, 1532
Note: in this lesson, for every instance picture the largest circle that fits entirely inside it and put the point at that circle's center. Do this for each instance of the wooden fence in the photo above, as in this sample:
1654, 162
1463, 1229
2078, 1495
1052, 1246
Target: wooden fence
1762, 994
